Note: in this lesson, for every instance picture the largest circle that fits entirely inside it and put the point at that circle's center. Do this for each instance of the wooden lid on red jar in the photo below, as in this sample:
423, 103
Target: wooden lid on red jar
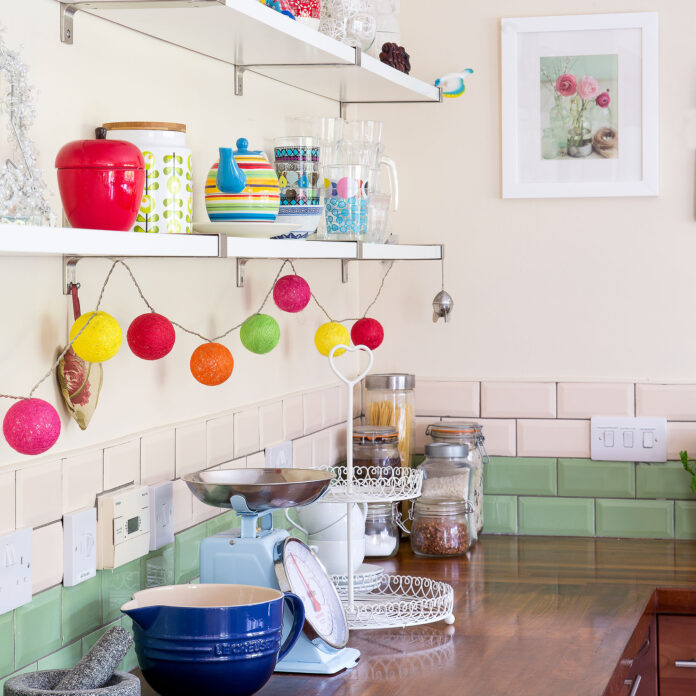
99, 154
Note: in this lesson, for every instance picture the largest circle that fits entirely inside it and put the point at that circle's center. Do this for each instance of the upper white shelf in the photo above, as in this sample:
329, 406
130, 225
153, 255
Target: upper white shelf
249, 35
26, 240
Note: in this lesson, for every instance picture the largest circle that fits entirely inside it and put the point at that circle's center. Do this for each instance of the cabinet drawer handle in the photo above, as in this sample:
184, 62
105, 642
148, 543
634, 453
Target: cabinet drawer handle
636, 684
685, 663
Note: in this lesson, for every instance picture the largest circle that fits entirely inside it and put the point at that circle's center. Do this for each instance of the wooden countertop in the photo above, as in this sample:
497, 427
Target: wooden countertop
534, 615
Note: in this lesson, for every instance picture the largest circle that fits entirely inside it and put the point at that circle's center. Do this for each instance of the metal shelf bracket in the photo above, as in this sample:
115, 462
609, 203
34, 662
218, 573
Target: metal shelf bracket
67, 12
241, 272
239, 80
69, 273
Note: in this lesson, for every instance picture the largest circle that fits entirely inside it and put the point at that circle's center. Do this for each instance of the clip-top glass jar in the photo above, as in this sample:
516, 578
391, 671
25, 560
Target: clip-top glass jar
470, 434
381, 531
390, 400
440, 527
375, 446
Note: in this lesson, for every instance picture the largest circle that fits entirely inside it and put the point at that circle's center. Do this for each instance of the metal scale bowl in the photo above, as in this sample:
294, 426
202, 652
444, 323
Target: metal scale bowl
270, 557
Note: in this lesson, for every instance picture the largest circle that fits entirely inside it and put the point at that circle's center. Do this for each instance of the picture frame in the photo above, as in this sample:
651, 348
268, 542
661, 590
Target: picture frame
593, 133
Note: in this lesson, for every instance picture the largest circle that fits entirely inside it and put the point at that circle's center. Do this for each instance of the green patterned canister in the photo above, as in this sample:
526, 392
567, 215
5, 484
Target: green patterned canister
167, 204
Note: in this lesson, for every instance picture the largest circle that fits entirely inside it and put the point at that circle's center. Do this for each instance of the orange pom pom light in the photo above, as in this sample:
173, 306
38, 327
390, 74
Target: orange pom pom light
212, 364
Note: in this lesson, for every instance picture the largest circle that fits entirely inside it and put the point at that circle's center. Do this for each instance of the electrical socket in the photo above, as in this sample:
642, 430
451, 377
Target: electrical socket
161, 515
15, 569
279, 456
623, 439
79, 546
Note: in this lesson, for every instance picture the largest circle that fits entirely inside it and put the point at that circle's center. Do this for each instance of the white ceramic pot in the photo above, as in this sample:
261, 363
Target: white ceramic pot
334, 554
167, 204
327, 521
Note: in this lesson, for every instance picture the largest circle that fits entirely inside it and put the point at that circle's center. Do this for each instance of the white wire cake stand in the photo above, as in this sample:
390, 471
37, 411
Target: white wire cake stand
373, 484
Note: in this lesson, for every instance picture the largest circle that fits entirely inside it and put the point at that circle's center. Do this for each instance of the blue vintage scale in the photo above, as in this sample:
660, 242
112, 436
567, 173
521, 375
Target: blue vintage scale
258, 554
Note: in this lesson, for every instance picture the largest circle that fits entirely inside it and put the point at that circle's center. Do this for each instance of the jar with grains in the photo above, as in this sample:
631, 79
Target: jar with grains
381, 531
470, 434
440, 527
390, 400
447, 473
375, 446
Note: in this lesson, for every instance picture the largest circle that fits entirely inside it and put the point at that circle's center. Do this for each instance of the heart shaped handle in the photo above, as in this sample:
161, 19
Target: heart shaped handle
350, 349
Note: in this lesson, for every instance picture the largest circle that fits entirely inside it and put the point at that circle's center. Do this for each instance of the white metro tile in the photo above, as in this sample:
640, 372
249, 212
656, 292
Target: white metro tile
83, 480
338, 444
201, 511
676, 402
302, 453
47, 557
271, 424
681, 436
518, 400
246, 432
587, 399
190, 449
7, 502
321, 450
293, 417
312, 408
256, 461
39, 496
183, 506
553, 438
447, 398
122, 464
331, 405
235, 464
158, 457
357, 399
500, 435
420, 437
220, 433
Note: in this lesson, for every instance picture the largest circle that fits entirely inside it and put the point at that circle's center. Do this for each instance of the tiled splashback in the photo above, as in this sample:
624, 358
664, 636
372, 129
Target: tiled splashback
540, 479
62, 623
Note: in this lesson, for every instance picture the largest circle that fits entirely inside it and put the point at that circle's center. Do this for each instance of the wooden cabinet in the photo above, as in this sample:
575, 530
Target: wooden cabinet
677, 661
642, 675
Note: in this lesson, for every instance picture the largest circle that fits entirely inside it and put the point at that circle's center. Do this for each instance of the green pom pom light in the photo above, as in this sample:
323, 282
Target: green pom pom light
260, 333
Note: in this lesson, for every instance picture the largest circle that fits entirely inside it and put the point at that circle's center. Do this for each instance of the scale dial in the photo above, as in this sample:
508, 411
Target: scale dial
300, 571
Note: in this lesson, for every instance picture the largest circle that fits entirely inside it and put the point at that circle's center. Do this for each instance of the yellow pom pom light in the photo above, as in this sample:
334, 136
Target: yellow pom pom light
100, 341
330, 334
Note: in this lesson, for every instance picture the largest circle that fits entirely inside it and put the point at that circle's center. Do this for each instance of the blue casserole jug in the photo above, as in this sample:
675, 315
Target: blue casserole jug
217, 640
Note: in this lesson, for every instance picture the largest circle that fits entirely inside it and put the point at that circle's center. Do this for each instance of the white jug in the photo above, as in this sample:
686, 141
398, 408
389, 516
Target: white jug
327, 521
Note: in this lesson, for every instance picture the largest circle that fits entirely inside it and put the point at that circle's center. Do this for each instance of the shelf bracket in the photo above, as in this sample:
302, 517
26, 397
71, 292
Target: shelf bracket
241, 272
69, 273
67, 12
239, 80
344, 270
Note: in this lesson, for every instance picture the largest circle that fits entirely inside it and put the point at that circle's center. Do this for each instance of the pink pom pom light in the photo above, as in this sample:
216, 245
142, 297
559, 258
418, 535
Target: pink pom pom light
291, 293
31, 426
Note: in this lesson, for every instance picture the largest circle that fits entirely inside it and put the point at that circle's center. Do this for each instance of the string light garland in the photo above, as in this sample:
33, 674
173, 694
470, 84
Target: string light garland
32, 425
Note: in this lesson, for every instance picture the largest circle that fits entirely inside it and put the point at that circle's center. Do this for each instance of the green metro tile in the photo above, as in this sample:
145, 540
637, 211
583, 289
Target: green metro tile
685, 519
665, 480
81, 608
90, 639
6, 643
29, 668
585, 478
37, 627
222, 523
157, 568
188, 545
638, 519
65, 658
520, 475
556, 516
117, 588
500, 514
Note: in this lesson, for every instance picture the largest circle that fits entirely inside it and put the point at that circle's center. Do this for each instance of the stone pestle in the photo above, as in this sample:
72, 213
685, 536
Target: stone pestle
95, 669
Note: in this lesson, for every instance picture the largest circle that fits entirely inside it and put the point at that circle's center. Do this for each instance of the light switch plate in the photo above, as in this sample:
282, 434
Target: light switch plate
279, 456
79, 546
161, 515
15, 569
621, 439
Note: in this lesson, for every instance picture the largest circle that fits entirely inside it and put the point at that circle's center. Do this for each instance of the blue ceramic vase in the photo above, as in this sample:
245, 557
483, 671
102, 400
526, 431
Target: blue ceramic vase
217, 640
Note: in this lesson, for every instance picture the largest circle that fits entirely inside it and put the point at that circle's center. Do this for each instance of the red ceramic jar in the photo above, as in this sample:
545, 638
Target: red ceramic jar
101, 182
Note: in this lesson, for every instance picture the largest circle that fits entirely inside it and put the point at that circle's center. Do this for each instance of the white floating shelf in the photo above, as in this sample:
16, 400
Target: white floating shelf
249, 35
29, 240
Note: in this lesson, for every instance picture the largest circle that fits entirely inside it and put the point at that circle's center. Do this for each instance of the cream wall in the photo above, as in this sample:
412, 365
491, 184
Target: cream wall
113, 74
583, 289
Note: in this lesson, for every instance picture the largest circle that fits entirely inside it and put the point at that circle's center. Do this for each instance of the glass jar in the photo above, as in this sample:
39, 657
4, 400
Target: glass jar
375, 446
470, 434
390, 400
440, 527
381, 531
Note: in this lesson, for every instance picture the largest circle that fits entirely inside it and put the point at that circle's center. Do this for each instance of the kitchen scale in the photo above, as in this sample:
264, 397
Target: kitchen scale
270, 557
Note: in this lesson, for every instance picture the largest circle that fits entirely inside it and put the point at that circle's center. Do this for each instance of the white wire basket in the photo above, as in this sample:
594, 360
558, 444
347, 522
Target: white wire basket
373, 484
399, 600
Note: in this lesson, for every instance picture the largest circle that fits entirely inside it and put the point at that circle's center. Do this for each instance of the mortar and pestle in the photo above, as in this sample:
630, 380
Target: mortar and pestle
93, 675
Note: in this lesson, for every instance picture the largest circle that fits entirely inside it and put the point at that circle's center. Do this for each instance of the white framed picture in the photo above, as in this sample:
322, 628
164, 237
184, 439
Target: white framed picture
580, 106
